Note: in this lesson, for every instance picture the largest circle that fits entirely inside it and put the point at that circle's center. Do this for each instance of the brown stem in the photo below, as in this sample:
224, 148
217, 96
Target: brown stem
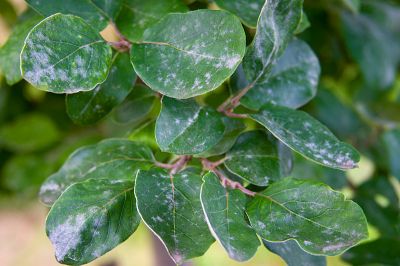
121, 45
177, 165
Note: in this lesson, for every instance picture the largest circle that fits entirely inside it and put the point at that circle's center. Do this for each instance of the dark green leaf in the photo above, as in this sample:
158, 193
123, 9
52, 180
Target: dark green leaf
89, 107
293, 255
85, 9
136, 106
185, 55
391, 143
184, 127
247, 10
11, 50
110, 8
233, 128
63, 54
292, 81
303, 24
115, 159
259, 158
138, 15
170, 206
307, 136
91, 218
29, 132
225, 213
379, 252
8, 12
318, 218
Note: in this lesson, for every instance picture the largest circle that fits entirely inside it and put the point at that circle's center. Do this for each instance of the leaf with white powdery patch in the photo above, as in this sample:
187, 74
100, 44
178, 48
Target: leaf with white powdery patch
185, 55
307, 136
91, 218
115, 159
184, 127
63, 54
170, 206
318, 218
91, 106
259, 158
225, 212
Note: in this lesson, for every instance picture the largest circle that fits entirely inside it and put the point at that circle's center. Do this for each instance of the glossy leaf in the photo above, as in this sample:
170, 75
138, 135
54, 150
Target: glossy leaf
292, 81
391, 142
31, 132
89, 107
225, 213
11, 50
85, 9
181, 61
170, 206
63, 54
276, 25
184, 127
318, 218
138, 15
233, 128
110, 8
114, 159
293, 255
136, 106
247, 10
91, 218
259, 158
307, 136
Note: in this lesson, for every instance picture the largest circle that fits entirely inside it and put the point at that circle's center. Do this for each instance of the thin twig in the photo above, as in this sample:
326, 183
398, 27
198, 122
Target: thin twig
234, 101
177, 165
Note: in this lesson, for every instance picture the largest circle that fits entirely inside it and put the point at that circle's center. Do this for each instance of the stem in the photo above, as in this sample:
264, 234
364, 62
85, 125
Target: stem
123, 45
232, 102
177, 166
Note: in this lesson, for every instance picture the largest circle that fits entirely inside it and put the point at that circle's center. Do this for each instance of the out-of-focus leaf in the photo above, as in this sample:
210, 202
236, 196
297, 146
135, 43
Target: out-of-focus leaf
8, 13
391, 142
247, 10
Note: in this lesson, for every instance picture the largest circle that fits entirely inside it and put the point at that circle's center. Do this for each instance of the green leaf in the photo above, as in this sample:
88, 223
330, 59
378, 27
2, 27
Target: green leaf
11, 50
383, 251
391, 143
233, 128
85, 9
307, 136
184, 127
115, 159
259, 158
318, 218
138, 15
90, 219
277, 23
292, 81
185, 55
303, 24
371, 47
89, 107
110, 8
30, 132
8, 12
136, 106
170, 206
293, 255
63, 54
247, 10
352, 5
225, 213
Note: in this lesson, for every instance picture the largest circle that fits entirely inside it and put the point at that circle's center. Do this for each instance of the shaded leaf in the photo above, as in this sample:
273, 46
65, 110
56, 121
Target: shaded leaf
184, 127
183, 61
293, 255
115, 159
89, 107
110, 8
63, 54
170, 206
91, 218
225, 213
8, 12
259, 158
307, 136
247, 10
138, 15
318, 218
391, 144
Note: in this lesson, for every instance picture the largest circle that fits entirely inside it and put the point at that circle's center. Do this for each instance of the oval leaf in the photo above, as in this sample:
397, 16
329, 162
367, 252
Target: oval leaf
63, 54
184, 127
115, 159
225, 213
259, 158
185, 55
307, 136
170, 207
89, 107
91, 218
247, 10
318, 218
